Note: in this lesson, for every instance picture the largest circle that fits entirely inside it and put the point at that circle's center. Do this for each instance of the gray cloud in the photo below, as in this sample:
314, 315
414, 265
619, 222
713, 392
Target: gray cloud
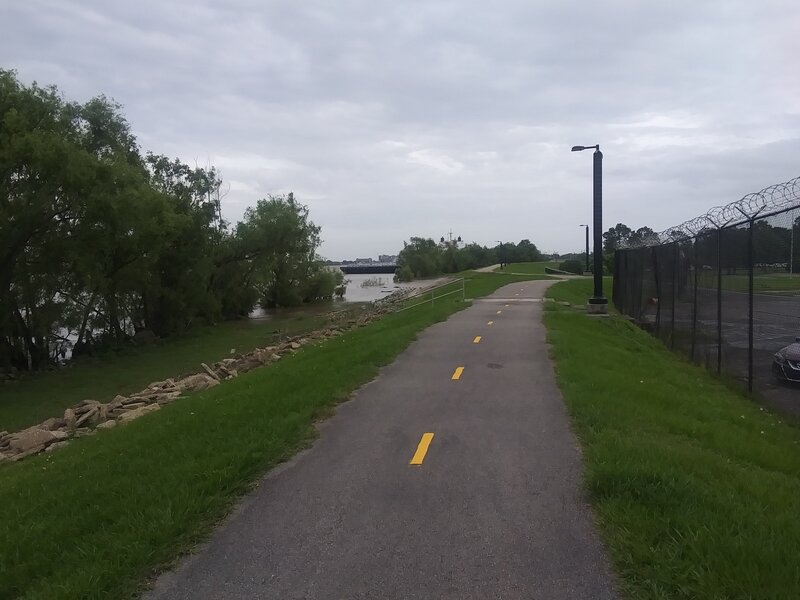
399, 119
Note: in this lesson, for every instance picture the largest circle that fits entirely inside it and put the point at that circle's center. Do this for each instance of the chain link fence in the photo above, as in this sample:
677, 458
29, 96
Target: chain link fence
724, 289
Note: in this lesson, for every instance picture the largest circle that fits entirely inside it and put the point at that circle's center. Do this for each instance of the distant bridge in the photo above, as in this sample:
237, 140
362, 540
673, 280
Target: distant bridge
368, 268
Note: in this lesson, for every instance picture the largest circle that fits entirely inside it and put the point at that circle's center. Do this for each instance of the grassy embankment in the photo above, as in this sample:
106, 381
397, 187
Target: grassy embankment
97, 518
532, 268
696, 488
33, 399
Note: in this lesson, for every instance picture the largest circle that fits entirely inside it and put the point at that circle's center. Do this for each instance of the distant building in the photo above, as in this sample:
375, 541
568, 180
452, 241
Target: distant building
363, 260
450, 242
387, 258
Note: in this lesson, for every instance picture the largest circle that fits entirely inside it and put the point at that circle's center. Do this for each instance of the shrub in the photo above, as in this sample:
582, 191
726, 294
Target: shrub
572, 266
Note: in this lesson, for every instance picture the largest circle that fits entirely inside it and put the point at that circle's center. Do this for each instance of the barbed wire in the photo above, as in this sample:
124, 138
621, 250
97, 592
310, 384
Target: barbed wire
769, 201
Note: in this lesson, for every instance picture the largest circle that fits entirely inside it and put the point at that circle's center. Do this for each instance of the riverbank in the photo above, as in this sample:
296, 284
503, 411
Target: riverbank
36, 397
101, 516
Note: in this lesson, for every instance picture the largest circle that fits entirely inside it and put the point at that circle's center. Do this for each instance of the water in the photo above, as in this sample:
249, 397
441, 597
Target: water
358, 293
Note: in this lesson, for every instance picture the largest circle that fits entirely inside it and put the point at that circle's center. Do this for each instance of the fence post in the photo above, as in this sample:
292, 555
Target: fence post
463, 290
675, 259
657, 280
719, 301
750, 311
694, 300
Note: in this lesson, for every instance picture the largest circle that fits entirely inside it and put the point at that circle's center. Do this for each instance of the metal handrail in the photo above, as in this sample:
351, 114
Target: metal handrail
434, 296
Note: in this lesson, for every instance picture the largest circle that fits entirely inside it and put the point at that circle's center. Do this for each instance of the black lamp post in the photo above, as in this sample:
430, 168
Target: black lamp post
587, 246
501, 253
598, 299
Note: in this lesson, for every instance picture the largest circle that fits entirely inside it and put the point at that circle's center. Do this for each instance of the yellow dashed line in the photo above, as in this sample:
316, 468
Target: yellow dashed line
457, 373
422, 449
477, 340
490, 322
499, 312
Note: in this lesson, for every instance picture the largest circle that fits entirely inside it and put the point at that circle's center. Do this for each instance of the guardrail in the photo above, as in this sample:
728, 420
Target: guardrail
434, 296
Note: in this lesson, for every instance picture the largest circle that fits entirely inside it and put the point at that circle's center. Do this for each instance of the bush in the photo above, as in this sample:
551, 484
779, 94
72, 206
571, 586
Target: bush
403, 274
572, 266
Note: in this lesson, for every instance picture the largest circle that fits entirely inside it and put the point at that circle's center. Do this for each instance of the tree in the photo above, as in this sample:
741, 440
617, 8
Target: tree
421, 256
615, 236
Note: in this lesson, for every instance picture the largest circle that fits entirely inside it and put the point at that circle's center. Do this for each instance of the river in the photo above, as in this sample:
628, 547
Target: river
360, 290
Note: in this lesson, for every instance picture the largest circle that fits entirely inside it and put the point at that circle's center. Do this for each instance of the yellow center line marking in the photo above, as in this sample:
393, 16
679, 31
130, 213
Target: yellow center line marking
422, 449
499, 312
457, 373
508, 305
477, 340
490, 322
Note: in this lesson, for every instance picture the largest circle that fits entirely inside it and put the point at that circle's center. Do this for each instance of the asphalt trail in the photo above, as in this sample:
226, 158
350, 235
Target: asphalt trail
493, 510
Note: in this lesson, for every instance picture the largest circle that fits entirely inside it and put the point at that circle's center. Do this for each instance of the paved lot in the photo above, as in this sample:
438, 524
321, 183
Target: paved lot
492, 509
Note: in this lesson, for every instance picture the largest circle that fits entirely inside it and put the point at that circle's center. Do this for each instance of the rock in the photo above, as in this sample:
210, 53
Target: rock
138, 412
107, 424
88, 417
294, 346
102, 414
167, 398
209, 370
275, 357
69, 418
85, 407
246, 364
27, 453
56, 446
49, 424
25, 440
197, 382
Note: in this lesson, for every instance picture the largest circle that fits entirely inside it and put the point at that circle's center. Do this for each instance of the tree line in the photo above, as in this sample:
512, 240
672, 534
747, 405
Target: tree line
423, 257
101, 244
773, 242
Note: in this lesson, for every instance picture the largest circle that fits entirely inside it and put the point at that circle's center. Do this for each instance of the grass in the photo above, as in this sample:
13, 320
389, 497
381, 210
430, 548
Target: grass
33, 399
773, 282
696, 488
532, 268
578, 291
99, 517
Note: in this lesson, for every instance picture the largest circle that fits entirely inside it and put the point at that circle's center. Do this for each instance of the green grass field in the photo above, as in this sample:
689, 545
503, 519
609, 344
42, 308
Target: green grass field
696, 489
101, 516
33, 399
532, 268
773, 282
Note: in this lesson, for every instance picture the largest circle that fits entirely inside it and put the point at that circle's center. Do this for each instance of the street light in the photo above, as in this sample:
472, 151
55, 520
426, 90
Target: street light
597, 303
500, 253
587, 246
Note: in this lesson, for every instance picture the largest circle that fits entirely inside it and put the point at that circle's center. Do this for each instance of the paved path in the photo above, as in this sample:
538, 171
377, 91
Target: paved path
493, 510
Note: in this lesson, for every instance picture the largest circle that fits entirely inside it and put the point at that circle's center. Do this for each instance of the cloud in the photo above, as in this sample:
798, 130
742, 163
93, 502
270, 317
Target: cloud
398, 119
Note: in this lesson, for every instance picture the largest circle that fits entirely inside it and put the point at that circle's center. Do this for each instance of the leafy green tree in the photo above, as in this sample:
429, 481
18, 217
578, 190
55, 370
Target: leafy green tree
422, 256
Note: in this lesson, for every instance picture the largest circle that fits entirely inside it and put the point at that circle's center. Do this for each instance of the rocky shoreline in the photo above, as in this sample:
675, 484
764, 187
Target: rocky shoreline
89, 416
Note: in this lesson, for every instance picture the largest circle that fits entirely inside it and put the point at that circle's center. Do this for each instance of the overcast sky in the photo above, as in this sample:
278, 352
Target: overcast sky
393, 119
